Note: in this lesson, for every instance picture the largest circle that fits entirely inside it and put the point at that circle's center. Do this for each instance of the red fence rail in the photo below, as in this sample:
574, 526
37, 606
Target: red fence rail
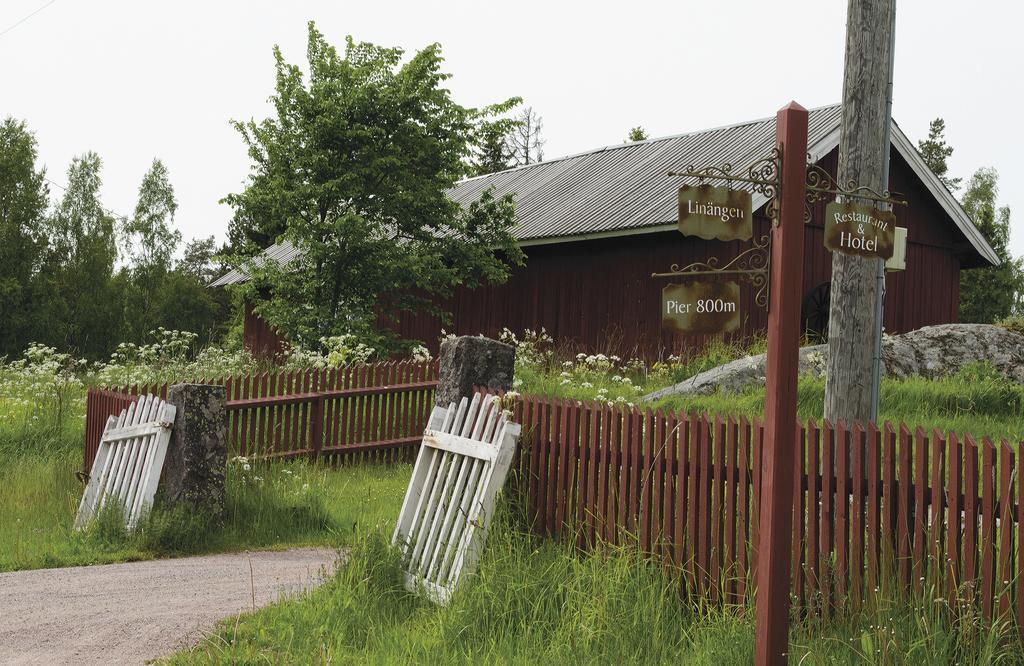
889, 510
368, 411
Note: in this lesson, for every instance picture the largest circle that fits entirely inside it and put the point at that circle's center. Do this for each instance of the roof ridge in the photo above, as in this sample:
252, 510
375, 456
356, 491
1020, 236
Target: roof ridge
630, 144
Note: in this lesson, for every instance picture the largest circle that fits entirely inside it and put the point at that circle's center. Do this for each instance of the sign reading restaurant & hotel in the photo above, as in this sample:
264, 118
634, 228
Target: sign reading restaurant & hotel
700, 307
860, 230
715, 212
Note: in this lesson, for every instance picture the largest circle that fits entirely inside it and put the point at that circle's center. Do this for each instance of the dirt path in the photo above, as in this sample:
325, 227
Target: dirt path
130, 613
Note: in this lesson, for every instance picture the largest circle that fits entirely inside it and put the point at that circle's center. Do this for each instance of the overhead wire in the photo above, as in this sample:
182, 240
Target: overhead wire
15, 25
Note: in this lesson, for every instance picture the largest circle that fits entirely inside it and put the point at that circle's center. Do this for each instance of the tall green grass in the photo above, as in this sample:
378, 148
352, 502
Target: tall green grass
270, 505
975, 400
541, 602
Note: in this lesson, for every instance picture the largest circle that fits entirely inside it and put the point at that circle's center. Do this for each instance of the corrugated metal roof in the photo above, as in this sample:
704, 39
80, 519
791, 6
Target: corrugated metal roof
282, 253
625, 188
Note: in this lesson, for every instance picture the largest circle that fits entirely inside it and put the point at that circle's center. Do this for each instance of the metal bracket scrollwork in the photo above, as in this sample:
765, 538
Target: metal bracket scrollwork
752, 265
821, 186
763, 175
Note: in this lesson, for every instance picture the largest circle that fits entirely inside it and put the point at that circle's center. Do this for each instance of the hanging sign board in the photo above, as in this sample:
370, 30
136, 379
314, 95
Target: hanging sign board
715, 212
700, 307
860, 230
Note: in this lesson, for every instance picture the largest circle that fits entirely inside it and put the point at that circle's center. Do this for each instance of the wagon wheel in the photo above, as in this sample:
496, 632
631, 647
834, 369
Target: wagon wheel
814, 313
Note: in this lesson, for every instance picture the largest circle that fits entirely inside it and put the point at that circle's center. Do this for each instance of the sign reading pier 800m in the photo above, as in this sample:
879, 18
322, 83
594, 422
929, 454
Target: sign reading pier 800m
861, 230
700, 307
715, 212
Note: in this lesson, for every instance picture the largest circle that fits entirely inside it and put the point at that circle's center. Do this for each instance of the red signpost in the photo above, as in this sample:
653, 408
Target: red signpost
774, 265
780, 424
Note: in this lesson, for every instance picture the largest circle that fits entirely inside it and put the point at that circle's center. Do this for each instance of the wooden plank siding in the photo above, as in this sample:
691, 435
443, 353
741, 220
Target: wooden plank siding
598, 295
261, 339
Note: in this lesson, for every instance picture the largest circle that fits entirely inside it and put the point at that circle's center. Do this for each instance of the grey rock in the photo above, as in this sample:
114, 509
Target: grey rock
197, 454
934, 351
467, 361
930, 352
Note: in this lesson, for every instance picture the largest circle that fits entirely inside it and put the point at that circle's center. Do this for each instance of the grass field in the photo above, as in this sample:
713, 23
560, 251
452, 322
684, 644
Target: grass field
539, 602
283, 505
972, 401
977, 399
268, 506
533, 601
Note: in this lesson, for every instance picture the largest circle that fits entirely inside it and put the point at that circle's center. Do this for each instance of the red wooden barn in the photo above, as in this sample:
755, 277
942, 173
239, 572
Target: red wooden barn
596, 225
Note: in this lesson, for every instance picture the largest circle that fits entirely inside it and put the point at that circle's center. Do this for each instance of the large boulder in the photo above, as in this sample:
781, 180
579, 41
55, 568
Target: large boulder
932, 351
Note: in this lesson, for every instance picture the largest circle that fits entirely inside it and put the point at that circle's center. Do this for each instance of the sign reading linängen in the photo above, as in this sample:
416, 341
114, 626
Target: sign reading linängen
715, 212
700, 307
860, 230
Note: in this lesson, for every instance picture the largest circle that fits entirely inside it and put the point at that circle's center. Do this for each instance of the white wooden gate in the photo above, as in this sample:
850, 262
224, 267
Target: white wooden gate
129, 461
461, 465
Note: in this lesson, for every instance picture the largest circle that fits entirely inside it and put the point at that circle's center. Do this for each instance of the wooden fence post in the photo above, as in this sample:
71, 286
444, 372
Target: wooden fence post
316, 429
316, 417
772, 594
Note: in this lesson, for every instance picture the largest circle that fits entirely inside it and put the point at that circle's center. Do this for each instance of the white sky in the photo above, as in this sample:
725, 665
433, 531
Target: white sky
138, 80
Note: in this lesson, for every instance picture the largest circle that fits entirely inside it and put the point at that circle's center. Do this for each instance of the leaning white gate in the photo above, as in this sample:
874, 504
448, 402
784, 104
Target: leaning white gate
461, 465
129, 461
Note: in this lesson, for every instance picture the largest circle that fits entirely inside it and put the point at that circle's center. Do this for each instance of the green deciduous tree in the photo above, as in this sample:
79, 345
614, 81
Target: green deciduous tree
150, 231
23, 201
81, 305
158, 291
990, 294
936, 151
353, 169
493, 152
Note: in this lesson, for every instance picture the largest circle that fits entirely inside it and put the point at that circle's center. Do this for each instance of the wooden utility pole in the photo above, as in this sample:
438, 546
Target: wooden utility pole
863, 156
780, 424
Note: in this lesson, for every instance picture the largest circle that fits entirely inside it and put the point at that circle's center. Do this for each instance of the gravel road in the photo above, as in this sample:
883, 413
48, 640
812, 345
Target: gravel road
134, 612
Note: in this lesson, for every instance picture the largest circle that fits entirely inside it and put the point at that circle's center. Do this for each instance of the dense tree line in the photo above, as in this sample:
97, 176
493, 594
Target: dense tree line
77, 277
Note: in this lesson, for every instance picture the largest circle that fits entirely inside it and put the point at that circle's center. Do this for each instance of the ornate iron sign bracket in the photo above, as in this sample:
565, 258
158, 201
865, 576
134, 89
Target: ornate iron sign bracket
821, 186
753, 264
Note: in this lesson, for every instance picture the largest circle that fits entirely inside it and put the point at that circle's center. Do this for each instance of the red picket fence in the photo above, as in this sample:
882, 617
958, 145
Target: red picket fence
885, 510
360, 412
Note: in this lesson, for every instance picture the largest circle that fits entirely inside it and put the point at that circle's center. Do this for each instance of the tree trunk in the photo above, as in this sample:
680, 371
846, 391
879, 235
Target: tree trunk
863, 151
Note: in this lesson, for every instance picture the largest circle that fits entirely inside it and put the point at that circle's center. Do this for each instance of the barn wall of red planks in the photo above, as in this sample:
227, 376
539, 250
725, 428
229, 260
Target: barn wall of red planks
259, 337
599, 296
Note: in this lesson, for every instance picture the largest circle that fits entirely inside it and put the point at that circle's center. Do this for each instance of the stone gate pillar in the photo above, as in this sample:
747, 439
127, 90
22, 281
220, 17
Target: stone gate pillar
197, 454
467, 361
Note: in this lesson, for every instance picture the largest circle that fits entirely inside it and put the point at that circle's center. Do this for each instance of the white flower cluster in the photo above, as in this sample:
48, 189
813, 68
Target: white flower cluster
43, 381
168, 357
534, 349
602, 377
346, 349
598, 361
